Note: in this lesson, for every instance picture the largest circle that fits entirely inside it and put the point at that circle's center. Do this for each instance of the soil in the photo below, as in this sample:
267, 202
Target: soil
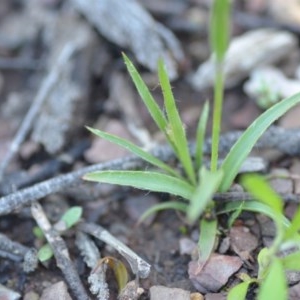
57, 143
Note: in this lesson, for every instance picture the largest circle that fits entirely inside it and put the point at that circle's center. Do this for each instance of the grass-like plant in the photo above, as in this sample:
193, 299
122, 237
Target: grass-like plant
282, 255
195, 185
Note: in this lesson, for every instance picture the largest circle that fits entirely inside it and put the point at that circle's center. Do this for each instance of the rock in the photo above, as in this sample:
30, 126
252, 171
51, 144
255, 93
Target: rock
294, 292
159, 292
242, 241
31, 296
7, 294
261, 47
186, 246
293, 277
215, 273
196, 296
57, 291
268, 85
281, 181
215, 296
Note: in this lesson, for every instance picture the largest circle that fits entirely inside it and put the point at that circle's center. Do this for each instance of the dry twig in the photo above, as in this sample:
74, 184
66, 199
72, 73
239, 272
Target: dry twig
287, 141
61, 253
138, 266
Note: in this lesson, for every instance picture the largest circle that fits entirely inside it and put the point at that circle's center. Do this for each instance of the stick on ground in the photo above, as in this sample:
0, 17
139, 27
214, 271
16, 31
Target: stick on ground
61, 253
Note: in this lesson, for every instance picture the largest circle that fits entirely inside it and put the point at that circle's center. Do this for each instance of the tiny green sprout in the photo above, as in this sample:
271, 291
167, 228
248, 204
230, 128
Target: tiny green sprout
45, 253
38, 233
272, 261
70, 218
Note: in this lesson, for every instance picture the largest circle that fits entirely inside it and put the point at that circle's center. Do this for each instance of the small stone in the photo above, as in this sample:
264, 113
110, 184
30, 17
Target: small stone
224, 245
293, 277
282, 183
186, 246
57, 291
196, 296
215, 296
7, 294
242, 241
31, 296
267, 226
294, 292
215, 273
159, 292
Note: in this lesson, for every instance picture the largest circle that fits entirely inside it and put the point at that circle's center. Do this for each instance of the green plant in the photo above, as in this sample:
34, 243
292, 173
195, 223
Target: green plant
196, 185
282, 255
67, 220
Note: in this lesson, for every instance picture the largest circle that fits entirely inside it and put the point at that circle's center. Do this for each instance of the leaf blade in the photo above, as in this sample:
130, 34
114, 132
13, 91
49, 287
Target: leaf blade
152, 106
176, 205
254, 206
274, 286
135, 150
200, 135
241, 149
177, 133
292, 261
207, 238
239, 291
219, 27
152, 181
204, 192
261, 191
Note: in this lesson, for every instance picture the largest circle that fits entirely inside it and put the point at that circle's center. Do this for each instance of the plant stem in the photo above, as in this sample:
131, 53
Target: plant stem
217, 113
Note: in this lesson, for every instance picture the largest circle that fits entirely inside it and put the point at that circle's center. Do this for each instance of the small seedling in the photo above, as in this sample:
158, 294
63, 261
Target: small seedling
67, 221
282, 255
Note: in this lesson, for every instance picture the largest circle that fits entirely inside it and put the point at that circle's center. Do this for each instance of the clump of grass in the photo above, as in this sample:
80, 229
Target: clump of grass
196, 186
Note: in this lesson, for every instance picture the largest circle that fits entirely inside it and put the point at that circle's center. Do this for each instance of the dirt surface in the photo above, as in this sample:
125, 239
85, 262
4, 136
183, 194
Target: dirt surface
61, 69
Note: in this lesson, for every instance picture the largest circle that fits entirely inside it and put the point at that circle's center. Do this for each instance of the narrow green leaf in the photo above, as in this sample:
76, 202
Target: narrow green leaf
254, 206
180, 206
262, 191
153, 108
200, 135
72, 216
239, 292
241, 149
219, 27
135, 150
292, 261
152, 181
45, 253
209, 183
176, 129
235, 215
207, 238
275, 285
